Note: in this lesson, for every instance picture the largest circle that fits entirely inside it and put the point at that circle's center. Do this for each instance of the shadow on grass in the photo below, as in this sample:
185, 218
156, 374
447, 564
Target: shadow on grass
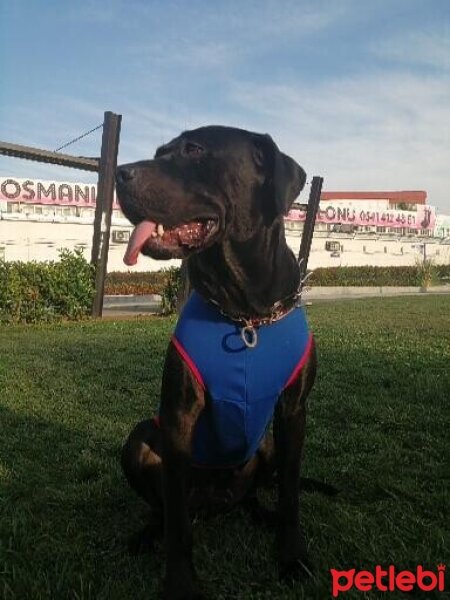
376, 430
66, 515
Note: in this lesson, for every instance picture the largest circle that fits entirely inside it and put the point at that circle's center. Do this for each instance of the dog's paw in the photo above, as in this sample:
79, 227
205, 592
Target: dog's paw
296, 570
261, 515
187, 596
176, 593
141, 542
181, 583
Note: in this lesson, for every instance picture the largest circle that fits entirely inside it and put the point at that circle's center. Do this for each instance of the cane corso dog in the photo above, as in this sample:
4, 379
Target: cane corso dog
241, 354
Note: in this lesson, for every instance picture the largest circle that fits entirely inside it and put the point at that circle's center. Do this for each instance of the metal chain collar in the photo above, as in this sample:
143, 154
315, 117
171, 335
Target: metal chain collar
249, 334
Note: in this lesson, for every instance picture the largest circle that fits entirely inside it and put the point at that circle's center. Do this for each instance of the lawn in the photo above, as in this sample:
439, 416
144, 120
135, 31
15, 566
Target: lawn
378, 429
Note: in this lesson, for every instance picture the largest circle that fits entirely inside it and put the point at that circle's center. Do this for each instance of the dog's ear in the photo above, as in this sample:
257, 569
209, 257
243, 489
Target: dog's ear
284, 178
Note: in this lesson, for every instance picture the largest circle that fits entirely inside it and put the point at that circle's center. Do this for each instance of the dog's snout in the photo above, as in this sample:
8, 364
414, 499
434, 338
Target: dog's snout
125, 174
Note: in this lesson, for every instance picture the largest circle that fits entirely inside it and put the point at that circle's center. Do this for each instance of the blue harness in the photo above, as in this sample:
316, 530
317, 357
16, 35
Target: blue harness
243, 383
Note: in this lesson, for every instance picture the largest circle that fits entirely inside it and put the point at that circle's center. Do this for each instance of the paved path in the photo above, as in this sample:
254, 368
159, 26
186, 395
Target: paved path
115, 306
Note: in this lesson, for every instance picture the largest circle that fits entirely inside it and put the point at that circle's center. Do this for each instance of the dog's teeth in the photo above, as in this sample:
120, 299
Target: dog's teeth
160, 230
154, 234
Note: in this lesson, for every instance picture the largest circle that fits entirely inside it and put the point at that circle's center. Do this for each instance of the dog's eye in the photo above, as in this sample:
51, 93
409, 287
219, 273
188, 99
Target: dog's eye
163, 153
193, 149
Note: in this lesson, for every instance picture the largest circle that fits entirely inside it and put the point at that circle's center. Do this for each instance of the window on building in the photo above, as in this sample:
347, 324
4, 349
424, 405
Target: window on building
332, 246
381, 229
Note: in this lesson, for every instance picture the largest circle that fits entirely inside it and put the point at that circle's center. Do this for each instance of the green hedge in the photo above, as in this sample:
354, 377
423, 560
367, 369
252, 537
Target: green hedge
151, 282
365, 276
443, 273
47, 291
32, 292
418, 275
157, 281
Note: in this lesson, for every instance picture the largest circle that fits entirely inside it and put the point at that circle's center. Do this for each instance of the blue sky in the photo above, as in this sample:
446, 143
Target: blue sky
357, 91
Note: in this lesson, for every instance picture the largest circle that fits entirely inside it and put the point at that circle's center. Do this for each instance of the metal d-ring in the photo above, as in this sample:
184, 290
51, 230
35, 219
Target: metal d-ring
249, 336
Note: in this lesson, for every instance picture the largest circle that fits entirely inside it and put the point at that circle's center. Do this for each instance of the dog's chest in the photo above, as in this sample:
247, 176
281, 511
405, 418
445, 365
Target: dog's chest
242, 384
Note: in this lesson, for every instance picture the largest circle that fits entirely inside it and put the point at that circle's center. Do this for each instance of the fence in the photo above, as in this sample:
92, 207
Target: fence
105, 166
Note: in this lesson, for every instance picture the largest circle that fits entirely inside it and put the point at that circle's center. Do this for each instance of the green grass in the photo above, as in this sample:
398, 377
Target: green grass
378, 429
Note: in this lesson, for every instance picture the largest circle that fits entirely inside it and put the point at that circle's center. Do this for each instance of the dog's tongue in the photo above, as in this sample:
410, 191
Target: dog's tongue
138, 238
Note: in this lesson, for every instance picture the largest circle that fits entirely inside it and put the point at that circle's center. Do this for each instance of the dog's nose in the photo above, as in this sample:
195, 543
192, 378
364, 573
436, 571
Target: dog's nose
125, 174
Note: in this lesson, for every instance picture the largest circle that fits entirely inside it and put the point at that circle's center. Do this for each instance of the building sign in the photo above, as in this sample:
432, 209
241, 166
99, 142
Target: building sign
423, 218
35, 191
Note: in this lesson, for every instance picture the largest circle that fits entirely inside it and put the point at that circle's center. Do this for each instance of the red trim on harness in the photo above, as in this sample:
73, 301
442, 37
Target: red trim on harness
301, 364
188, 360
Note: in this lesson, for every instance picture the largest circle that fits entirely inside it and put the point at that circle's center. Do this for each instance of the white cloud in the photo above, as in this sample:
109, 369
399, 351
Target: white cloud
418, 48
380, 131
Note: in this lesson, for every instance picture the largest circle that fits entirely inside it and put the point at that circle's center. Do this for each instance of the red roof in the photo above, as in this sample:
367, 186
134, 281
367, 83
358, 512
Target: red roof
410, 197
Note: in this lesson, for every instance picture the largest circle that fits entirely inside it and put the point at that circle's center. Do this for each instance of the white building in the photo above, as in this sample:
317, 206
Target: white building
37, 218
373, 228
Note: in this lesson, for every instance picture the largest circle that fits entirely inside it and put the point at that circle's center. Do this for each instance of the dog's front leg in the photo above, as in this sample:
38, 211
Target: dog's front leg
182, 400
289, 435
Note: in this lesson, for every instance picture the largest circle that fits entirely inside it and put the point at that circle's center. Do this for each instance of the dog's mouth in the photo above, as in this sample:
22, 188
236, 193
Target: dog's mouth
157, 241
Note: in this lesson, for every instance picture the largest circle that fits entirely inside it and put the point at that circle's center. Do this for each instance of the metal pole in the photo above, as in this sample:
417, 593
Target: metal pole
45, 156
308, 229
104, 204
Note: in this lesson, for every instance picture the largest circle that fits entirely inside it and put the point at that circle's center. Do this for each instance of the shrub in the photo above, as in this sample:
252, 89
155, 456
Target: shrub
166, 283
171, 290
32, 292
427, 273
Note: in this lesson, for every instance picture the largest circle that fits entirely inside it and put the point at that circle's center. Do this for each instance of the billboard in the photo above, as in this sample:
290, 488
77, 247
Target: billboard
422, 218
36, 191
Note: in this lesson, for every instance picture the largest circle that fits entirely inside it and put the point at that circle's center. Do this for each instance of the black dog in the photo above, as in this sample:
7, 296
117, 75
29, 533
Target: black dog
216, 196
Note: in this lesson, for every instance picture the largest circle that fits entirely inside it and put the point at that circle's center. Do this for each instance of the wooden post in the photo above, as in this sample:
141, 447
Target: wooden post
104, 205
308, 228
185, 286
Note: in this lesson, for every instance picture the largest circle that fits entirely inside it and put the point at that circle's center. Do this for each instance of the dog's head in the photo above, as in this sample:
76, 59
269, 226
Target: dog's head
204, 186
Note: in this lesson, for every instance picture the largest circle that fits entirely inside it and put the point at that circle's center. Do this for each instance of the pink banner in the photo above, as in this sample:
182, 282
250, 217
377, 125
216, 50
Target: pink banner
423, 218
32, 191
